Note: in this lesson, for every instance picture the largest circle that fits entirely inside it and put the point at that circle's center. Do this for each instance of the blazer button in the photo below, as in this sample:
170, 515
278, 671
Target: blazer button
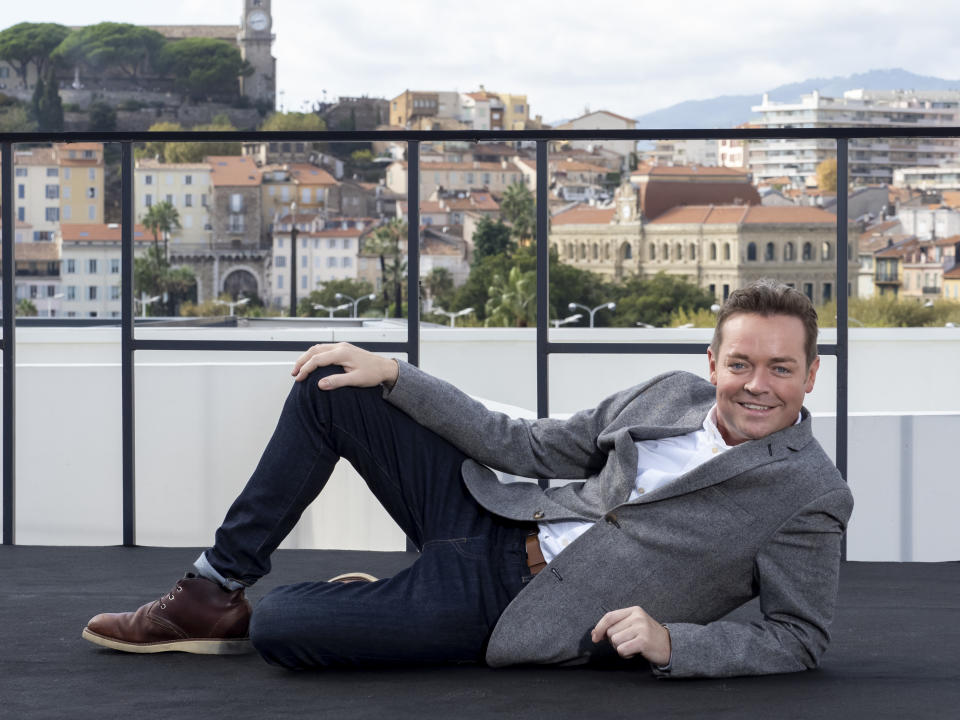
612, 519
538, 515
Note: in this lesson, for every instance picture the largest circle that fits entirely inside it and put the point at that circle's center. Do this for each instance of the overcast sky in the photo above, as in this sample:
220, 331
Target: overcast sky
630, 57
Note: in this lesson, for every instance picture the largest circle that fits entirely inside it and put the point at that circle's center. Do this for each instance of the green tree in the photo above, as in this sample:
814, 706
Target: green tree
26, 308
26, 43
327, 295
385, 243
108, 46
45, 105
439, 286
512, 299
654, 300
15, 118
155, 148
518, 209
161, 219
204, 69
153, 275
102, 116
827, 175
293, 121
194, 152
491, 238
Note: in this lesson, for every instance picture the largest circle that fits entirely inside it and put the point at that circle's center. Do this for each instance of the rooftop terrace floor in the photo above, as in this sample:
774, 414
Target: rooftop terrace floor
895, 654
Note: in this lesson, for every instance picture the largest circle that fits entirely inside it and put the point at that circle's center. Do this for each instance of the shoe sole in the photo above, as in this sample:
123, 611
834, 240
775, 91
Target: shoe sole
197, 647
353, 577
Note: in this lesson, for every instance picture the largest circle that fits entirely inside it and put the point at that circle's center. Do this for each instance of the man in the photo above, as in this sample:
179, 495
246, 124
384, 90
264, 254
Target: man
688, 498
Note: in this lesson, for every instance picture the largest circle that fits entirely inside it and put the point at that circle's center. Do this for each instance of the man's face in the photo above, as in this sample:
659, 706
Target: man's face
761, 375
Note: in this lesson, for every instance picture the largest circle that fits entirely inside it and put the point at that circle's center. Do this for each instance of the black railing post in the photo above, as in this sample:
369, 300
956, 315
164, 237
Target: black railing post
9, 348
543, 283
843, 191
413, 252
127, 344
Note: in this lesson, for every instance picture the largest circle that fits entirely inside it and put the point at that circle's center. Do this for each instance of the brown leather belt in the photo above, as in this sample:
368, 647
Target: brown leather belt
535, 560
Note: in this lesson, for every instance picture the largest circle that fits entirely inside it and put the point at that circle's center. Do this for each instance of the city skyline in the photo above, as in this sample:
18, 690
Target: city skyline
630, 59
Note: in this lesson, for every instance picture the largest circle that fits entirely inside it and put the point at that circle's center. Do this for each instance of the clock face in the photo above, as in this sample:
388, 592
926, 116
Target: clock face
257, 20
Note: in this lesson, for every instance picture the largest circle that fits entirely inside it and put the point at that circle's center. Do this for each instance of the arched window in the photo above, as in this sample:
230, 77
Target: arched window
693, 251
769, 252
788, 254
653, 251
596, 251
726, 256
628, 251
606, 251
713, 251
678, 252
751, 252
583, 251
826, 251
666, 252
807, 252
570, 250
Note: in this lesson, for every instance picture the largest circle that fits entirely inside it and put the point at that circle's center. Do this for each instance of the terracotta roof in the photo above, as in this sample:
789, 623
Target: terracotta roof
898, 248
35, 156
101, 232
691, 170
462, 167
36, 251
952, 240
234, 170
483, 95
744, 214
306, 174
951, 198
953, 273
569, 165
584, 215
63, 151
152, 164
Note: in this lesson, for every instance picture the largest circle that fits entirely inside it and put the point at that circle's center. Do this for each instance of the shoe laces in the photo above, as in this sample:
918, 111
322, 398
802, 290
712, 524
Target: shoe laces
170, 596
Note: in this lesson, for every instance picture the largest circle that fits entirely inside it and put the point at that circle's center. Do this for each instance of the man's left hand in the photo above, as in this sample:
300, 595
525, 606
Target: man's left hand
631, 631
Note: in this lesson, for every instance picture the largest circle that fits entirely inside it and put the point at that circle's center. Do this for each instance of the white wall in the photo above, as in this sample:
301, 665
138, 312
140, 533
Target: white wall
202, 419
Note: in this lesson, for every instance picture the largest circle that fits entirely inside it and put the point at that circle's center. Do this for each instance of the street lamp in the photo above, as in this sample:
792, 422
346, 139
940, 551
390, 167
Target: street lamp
567, 320
144, 302
609, 306
50, 299
331, 310
453, 315
342, 296
293, 259
232, 305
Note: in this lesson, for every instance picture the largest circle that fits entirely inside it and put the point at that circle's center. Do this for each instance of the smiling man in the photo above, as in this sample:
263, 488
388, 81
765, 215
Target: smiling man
687, 499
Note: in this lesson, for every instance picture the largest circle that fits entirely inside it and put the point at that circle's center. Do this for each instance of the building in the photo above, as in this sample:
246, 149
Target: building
58, 184
424, 110
309, 186
326, 250
928, 178
928, 222
602, 120
37, 275
688, 152
495, 177
186, 186
91, 267
873, 239
662, 187
452, 110
872, 160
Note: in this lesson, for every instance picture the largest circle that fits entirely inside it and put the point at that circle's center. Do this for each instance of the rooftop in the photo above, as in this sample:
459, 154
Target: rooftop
234, 170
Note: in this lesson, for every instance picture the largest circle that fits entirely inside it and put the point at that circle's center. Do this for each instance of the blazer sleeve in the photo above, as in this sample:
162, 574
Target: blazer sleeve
796, 572
545, 448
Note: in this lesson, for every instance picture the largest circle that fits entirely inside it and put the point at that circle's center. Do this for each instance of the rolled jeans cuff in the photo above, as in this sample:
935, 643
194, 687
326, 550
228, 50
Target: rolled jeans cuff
205, 569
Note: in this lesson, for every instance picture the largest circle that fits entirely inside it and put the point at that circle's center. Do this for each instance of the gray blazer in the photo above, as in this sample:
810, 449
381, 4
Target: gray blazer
763, 518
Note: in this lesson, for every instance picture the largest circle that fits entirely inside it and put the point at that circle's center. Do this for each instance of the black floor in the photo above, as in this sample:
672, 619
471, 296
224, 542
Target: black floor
895, 654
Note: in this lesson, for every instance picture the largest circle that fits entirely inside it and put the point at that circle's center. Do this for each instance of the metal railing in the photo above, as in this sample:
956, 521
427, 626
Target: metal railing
544, 347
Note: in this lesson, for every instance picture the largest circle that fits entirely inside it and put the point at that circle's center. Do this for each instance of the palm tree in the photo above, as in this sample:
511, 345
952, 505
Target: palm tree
518, 208
385, 242
161, 218
512, 300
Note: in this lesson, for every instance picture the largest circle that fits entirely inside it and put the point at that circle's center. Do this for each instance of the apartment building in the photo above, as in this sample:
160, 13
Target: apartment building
494, 177
90, 267
452, 110
602, 120
186, 186
236, 211
326, 250
37, 274
685, 152
312, 189
81, 182
871, 160
928, 178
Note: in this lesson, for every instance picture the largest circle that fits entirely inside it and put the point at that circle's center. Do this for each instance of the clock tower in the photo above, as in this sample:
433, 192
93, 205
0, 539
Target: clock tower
255, 38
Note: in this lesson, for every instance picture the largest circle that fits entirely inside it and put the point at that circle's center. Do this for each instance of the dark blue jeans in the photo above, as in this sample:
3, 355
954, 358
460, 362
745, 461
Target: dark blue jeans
441, 609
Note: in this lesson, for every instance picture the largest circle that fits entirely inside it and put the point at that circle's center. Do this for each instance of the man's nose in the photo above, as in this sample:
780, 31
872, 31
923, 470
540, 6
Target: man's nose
757, 383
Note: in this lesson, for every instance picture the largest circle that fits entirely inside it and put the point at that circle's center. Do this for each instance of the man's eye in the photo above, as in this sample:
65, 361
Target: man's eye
737, 366
780, 370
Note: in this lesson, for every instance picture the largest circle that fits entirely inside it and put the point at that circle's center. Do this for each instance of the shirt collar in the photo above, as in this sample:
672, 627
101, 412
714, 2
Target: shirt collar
713, 433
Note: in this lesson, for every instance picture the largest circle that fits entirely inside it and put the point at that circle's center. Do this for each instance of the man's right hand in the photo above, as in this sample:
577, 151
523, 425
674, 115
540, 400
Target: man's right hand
363, 368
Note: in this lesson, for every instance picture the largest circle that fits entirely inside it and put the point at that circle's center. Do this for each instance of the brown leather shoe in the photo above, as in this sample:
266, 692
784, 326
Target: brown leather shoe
196, 616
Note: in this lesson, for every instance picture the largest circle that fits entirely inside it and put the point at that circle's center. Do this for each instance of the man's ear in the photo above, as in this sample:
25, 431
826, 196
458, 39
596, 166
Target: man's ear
812, 374
713, 365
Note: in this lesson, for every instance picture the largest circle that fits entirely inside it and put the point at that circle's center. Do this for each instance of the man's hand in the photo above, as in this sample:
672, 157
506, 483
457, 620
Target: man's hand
631, 631
363, 369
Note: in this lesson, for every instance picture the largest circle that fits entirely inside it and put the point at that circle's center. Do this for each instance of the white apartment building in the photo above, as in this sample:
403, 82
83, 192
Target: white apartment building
602, 120
929, 223
871, 160
90, 268
326, 250
685, 152
186, 186
928, 178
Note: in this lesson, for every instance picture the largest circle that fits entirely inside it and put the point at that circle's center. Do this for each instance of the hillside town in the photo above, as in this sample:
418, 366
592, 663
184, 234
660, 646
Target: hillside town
271, 223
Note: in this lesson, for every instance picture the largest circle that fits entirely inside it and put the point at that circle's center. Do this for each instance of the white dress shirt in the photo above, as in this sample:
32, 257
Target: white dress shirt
659, 462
